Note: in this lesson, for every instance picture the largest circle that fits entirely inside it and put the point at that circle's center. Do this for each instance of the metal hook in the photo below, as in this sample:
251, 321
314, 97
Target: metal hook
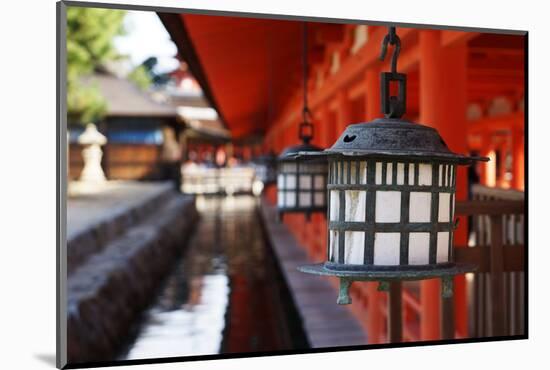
392, 39
306, 127
392, 106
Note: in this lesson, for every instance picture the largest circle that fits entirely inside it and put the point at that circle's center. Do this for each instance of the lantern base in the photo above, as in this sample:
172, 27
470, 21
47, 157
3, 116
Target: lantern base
386, 274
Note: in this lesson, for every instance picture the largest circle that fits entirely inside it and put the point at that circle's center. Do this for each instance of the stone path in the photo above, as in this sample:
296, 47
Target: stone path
107, 291
87, 207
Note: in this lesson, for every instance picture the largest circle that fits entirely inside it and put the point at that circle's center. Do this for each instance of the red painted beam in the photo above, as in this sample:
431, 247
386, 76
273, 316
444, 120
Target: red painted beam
509, 122
449, 38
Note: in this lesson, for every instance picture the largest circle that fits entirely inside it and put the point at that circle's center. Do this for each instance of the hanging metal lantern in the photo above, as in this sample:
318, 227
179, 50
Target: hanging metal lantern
391, 196
301, 185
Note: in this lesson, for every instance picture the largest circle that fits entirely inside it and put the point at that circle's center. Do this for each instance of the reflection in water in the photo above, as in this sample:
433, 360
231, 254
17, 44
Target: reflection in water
224, 294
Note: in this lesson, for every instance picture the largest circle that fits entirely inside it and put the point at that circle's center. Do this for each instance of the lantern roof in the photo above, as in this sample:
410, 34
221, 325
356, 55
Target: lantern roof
391, 137
265, 158
291, 153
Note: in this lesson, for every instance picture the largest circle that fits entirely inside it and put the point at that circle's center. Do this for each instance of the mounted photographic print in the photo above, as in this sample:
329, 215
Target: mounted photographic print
243, 185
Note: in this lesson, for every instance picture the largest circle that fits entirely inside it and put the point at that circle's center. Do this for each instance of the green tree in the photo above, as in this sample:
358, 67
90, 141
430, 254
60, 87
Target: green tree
141, 77
144, 75
90, 34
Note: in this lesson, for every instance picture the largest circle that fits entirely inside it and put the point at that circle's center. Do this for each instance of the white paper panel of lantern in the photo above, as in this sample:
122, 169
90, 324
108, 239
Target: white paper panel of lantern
354, 240
386, 249
333, 245
301, 187
400, 174
305, 181
444, 207
419, 248
319, 199
378, 178
442, 247
425, 174
388, 206
420, 206
334, 205
355, 206
395, 213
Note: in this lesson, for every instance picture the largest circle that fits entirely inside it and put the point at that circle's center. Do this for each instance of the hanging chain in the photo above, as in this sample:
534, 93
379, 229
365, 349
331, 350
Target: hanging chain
306, 127
392, 106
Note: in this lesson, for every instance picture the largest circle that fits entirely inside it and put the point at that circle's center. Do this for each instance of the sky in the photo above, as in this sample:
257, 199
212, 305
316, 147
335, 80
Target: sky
146, 37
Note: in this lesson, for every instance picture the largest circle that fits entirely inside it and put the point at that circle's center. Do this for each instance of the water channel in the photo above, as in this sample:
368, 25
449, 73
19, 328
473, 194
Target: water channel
224, 295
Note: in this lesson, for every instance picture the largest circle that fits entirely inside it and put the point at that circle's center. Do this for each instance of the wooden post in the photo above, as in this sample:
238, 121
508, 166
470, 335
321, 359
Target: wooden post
322, 125
443, 89
374, 314
487, 173
372, 95
497, 277
447, 318
395, 315
344, 110
453, 128
502, 149
518, 155
430, 93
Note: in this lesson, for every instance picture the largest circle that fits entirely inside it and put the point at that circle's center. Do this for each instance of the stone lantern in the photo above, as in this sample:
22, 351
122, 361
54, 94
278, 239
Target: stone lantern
92, 140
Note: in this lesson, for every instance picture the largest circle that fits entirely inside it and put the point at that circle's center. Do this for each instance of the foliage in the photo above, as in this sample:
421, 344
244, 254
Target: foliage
90, 33
84, 103
144, 75
141, 77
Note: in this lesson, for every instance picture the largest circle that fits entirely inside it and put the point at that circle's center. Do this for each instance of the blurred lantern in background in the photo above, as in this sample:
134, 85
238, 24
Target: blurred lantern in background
391, 190
301, 185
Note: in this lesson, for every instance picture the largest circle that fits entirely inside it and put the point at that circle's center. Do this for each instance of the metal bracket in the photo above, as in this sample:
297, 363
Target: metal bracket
343, 294
447, 286
383, 286
393, 106
306, 131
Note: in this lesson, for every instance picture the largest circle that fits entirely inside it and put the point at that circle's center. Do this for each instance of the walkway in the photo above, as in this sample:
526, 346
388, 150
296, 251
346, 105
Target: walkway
86, 207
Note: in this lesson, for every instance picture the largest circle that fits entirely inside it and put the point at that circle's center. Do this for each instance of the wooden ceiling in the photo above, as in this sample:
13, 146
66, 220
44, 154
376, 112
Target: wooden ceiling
249, 68
249, 64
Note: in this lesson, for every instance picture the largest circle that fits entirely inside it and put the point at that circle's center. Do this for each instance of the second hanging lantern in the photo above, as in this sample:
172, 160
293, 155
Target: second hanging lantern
301, 185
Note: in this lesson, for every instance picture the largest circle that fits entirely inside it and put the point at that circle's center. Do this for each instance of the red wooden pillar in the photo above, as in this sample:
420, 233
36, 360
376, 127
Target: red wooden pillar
485, 149
318, 231
375, 317
453, 128
322, 126
490, 168
326, 141
443, 89
430, 73
501, 149
518, 155
344, 111
372, 96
